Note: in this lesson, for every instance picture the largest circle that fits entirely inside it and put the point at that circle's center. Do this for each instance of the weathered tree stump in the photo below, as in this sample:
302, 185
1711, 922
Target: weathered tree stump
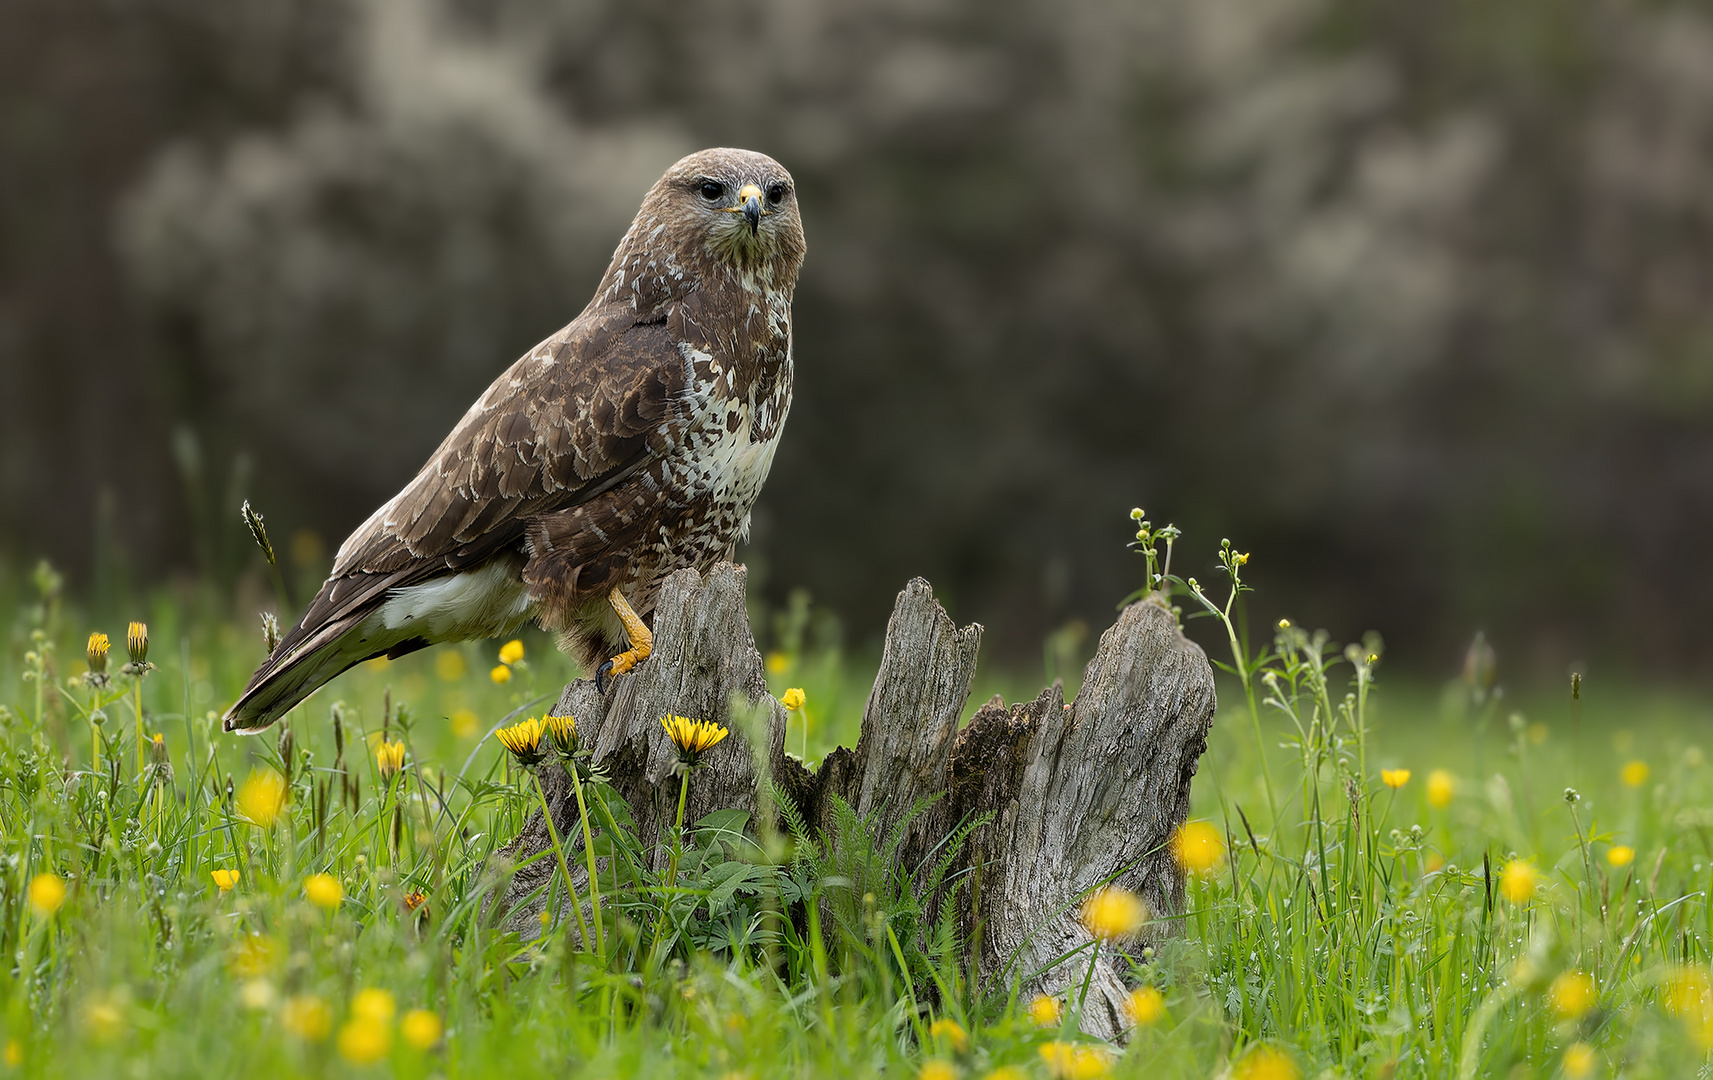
1080, 794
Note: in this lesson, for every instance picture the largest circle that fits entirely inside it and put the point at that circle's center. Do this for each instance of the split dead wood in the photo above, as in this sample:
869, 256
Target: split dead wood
1079, 795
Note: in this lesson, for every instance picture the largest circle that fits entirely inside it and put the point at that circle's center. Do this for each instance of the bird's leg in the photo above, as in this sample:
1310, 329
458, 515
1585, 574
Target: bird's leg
641, 642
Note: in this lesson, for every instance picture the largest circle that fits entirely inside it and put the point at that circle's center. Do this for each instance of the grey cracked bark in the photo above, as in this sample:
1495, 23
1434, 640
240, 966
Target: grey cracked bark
1080, 794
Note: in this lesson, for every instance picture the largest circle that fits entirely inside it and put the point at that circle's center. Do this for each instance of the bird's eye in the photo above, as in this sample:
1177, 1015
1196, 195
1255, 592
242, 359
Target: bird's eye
712, 189
776, 194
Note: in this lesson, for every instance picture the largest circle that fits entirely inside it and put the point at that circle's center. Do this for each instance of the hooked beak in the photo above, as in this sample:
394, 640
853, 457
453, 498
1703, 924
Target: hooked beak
749, 204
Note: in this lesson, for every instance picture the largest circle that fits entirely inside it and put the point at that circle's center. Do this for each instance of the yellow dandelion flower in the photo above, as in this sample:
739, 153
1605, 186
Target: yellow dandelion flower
1198, 847
449, 665
463, 723
563, 731
103, 1018
1620, 855
323, 890
374, 1004
1005, 1072
137, 642
794, 698
693, 738
524, 740
96, 652
1145, 1005
262, 796
256, 995
364, 1042
1265, 1063
225, 877
511, 652
1113, 912
1046, 1011
1634, 773
1518, 881
1441, 789
253, 956
14, 1053
1076, 1061
1689, 994
777, 662
951, 1031
1394, 778
1579, 1060
937, 1069
307, 1017
389, 758
1571, 994
501, 674
47, 894
421, 1029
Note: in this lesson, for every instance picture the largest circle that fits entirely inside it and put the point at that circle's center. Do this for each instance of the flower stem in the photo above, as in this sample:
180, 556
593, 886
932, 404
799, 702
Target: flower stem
559, 853
589, 855
137, 696
671, 881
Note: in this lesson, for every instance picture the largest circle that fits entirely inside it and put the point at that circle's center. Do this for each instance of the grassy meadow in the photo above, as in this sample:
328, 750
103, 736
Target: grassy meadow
1410, 881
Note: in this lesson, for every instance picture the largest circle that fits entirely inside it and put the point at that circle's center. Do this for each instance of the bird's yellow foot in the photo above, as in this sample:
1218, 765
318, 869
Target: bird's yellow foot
641, 642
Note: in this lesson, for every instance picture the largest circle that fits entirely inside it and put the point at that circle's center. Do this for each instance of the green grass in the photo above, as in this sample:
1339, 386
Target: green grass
1356, 929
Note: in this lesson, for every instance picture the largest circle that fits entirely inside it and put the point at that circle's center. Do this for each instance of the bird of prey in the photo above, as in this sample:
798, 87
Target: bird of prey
628, 445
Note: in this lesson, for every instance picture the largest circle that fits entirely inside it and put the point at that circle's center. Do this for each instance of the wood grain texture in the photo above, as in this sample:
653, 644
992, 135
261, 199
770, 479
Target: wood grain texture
1079, 795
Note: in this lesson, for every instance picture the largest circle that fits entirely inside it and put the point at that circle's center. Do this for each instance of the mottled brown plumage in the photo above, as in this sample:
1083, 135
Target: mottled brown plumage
630, 444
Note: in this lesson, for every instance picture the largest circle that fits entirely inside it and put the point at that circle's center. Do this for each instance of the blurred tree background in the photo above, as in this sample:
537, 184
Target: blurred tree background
1411, 300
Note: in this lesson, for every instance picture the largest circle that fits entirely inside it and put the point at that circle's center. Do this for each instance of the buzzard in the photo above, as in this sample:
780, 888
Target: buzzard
628, 445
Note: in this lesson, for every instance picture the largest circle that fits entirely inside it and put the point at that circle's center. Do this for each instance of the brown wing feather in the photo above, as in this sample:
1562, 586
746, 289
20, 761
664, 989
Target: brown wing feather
581, 415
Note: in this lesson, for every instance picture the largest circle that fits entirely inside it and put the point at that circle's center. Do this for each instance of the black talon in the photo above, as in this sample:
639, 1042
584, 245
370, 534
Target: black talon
601, 677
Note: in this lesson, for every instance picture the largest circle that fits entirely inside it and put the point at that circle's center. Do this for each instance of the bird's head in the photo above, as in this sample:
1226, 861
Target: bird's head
735, 207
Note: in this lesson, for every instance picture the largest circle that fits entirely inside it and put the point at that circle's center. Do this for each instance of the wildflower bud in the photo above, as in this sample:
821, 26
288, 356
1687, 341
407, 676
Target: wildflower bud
97, 653
270, 631
1136, 514
137, 643
1572, 796
258, 530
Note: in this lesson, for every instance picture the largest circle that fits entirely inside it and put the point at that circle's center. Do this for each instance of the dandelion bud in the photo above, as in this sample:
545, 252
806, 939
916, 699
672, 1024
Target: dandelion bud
98, 646
389, 758
137, 642
258, 530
